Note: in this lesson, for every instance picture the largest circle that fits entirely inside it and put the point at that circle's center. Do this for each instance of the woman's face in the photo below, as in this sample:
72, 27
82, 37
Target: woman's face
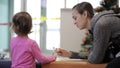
80, 20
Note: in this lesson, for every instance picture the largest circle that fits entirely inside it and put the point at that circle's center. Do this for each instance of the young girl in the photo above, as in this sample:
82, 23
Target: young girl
24, 51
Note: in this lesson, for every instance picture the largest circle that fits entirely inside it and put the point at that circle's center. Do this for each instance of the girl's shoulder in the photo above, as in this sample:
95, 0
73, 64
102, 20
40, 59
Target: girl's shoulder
31, 41
25, 39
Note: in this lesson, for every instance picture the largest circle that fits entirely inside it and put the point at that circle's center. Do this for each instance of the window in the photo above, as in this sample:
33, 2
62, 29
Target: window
53, 23
33, 7
17, 6
71, 3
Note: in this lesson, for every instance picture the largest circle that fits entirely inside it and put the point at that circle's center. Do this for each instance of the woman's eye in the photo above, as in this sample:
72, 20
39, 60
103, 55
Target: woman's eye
75, 18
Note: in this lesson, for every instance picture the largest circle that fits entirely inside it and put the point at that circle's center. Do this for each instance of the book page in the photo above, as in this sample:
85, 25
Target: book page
69, 59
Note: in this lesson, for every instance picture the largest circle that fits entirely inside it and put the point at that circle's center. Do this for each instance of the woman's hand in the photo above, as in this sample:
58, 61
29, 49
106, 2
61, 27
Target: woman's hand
62, 52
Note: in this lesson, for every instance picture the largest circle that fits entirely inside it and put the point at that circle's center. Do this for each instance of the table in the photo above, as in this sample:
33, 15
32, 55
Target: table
72, 64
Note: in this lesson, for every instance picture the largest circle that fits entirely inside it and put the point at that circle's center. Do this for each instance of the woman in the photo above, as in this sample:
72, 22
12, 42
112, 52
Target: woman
103, 26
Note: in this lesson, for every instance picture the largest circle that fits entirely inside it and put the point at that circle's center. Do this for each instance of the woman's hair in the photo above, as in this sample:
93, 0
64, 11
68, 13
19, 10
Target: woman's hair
84, 6
22, 23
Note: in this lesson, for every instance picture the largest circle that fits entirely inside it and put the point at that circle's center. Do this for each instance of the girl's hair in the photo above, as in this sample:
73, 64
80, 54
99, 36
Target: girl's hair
84, 6
22, 23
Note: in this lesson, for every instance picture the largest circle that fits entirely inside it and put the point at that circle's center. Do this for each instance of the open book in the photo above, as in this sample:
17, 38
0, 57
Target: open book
68, 59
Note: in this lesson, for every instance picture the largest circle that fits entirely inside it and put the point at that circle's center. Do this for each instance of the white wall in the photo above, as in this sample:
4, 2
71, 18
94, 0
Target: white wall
70, 35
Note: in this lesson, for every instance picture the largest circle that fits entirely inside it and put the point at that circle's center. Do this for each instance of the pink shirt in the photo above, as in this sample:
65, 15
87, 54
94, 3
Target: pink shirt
24, 51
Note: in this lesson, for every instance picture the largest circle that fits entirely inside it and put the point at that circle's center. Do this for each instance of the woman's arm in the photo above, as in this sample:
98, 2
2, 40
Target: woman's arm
76, 55
70, 54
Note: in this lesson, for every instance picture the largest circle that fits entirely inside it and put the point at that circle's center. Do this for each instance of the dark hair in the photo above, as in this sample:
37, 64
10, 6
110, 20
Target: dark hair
22, 23
84, 6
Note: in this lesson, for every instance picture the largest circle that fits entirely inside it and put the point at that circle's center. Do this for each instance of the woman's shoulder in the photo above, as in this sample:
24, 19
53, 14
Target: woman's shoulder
102, 14
109, 18
101, 18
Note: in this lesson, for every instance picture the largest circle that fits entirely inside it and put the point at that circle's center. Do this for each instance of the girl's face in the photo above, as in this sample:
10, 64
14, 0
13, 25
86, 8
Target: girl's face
80, 20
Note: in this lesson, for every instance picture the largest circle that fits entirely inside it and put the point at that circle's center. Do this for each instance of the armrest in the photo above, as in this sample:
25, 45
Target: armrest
6, 63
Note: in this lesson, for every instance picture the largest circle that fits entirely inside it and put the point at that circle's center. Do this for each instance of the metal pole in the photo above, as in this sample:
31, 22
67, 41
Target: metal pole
23, 5
65, 4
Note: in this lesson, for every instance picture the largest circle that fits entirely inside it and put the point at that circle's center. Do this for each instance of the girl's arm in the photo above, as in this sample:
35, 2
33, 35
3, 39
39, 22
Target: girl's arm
39, 55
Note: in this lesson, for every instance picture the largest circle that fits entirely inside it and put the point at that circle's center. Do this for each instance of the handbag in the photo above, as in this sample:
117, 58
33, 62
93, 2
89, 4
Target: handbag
113, 49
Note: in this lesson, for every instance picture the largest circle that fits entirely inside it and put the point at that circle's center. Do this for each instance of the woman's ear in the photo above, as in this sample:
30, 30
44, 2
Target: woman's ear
85, 14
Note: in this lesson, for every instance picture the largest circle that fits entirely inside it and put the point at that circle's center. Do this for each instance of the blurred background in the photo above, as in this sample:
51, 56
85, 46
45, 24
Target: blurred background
49, 17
